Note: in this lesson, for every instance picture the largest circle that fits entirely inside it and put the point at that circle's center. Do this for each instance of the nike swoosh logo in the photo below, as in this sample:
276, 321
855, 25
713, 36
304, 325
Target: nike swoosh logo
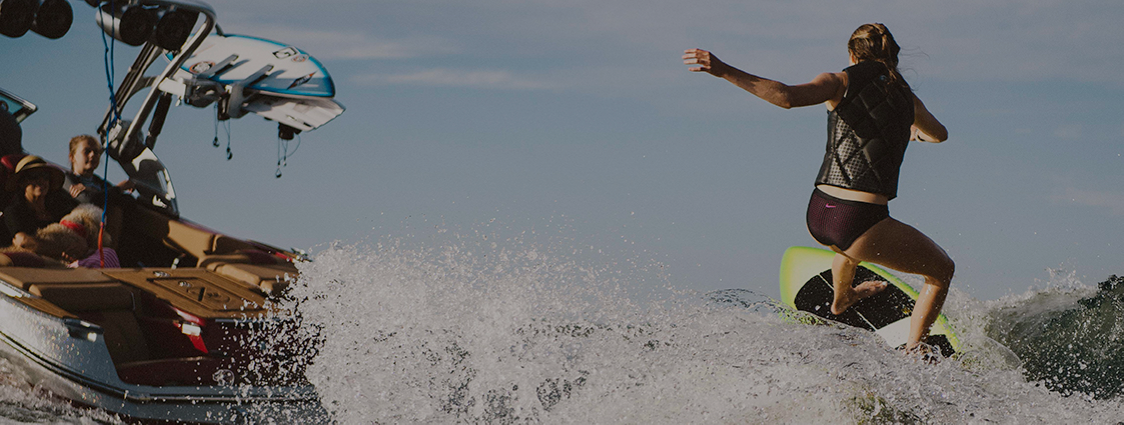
829, 206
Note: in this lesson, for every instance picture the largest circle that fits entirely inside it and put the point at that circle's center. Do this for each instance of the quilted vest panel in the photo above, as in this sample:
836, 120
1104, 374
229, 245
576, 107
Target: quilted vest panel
867, 133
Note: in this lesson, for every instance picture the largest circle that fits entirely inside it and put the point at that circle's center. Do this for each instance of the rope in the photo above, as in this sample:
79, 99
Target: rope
114, 118
283, 153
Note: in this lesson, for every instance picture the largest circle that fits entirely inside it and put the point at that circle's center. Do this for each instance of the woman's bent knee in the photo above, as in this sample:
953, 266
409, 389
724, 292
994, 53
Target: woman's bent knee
944, 272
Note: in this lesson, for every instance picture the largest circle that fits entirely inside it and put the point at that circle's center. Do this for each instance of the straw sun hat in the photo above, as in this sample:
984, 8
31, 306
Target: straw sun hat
32, 162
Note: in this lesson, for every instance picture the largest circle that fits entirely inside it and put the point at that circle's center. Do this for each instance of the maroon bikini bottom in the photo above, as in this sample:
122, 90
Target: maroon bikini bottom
834, 221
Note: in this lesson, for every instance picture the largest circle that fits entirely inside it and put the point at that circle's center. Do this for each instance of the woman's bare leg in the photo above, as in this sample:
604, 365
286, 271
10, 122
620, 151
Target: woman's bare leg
842, 275
899, 246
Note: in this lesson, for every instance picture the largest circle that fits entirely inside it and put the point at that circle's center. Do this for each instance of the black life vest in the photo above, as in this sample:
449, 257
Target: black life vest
867, 132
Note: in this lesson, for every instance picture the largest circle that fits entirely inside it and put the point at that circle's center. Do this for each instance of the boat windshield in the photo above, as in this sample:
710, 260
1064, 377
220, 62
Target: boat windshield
16, 106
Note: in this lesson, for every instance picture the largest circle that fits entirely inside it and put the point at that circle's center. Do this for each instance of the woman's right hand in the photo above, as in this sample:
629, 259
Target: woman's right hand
707, 62
126, 185
25, 241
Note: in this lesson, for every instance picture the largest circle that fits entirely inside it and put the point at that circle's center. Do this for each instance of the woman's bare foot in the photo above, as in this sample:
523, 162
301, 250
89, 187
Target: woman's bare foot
865, 289
923, 352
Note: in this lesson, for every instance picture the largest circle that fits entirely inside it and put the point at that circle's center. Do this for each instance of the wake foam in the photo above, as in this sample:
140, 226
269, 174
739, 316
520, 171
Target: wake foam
464, 330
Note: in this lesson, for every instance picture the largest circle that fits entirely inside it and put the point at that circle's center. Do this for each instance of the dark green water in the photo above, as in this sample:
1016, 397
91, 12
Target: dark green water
1078, 348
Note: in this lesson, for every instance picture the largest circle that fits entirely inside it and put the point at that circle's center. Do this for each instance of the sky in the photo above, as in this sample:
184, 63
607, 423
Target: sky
578, 120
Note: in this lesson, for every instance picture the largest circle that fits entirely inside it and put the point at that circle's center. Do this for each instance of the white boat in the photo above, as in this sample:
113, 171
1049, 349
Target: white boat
186, 331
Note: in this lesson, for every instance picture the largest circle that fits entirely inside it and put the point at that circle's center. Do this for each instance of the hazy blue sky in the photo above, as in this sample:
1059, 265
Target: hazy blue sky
577, 118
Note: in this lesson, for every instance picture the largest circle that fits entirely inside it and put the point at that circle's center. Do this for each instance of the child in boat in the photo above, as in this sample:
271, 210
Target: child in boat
86, 187
81, 182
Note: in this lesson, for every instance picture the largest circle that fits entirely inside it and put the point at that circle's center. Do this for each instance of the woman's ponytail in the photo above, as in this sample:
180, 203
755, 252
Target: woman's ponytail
874, 42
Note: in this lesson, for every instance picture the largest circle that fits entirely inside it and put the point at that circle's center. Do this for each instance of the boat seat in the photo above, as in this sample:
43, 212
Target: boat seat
24, 278
109, 305
258, 269
182, 236
21, 259
271, 279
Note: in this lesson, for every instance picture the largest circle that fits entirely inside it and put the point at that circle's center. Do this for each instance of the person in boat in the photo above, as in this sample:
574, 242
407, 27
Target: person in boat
85, 221
37, 201
82, 184
872, 115
11, 135
87, 188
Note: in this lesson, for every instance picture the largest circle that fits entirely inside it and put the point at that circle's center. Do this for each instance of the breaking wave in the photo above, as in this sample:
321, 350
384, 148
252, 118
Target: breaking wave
451, 329
475, 331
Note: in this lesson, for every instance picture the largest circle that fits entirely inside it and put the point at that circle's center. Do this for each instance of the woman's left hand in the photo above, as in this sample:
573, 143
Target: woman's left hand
707, 62
915, 134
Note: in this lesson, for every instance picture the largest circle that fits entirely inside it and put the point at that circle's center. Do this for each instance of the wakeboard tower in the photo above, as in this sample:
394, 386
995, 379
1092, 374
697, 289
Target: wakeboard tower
187, 330
238, 74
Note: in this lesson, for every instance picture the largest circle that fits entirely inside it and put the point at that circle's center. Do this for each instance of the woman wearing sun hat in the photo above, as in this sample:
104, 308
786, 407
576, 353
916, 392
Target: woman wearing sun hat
34, 186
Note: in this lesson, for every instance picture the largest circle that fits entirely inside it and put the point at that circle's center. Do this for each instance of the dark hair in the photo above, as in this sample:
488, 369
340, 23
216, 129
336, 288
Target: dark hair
874, 42
11, 136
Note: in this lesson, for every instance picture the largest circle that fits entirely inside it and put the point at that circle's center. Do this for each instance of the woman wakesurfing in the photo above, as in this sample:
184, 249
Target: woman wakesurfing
872, 116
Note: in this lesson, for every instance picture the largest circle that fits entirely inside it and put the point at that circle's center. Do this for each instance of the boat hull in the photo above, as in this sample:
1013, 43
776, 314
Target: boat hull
69, 358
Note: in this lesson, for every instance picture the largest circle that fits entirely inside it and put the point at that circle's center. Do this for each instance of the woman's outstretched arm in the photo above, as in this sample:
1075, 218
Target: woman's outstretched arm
825, 87
926, 128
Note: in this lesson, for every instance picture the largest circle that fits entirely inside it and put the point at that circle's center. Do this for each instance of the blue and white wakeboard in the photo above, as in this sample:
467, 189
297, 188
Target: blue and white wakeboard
229, 59
274, 80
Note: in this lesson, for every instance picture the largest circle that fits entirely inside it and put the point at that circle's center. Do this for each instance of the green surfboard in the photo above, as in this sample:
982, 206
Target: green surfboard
806, 286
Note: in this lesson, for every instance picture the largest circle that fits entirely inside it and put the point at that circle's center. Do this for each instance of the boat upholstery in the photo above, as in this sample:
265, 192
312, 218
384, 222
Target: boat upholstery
109, 305
23, 278
259, 269
271, 279
84, 297
201, 293
113, 307
21, 259
182, 236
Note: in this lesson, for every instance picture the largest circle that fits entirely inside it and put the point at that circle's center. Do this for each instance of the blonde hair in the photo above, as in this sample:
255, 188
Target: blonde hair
874, 42
76, 141
89, 216
55, 240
